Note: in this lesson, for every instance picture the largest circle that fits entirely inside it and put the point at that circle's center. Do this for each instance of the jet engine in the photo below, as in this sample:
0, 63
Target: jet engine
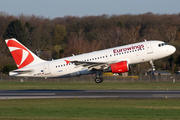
120, 67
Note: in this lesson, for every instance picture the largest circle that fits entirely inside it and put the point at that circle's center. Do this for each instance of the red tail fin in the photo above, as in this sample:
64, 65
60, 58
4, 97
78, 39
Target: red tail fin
22, 56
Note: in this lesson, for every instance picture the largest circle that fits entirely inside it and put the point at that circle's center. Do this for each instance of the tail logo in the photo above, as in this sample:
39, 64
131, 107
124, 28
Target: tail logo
21, 55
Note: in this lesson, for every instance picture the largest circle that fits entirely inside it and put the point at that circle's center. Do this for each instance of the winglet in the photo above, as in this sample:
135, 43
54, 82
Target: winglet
67, 62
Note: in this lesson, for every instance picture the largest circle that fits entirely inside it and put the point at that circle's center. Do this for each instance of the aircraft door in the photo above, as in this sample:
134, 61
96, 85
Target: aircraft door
46, 69
149, 48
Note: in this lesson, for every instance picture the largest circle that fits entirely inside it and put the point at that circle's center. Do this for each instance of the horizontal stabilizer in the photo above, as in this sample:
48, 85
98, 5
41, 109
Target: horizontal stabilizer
22, 71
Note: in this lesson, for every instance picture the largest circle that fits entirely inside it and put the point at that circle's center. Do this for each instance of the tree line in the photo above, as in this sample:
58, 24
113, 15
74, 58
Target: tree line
64, 36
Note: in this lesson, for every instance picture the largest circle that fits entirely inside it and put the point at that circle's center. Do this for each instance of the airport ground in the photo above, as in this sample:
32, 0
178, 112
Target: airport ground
90, 109
16, 85
77, 108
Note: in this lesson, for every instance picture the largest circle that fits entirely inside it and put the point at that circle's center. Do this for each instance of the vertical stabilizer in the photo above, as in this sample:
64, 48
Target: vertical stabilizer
22, 56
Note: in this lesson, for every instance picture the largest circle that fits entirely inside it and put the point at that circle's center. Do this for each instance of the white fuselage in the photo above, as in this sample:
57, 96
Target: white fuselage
132, 53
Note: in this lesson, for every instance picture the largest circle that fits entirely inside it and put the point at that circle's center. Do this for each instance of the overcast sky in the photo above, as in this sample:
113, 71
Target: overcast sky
61, 8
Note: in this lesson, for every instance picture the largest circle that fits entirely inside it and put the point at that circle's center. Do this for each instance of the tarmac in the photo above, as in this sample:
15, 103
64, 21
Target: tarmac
93, 94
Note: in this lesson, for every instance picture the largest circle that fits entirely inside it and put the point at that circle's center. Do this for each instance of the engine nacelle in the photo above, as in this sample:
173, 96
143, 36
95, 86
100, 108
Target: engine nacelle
120, 67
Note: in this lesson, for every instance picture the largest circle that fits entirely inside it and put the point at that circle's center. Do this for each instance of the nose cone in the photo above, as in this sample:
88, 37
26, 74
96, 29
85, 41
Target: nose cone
172, 49
168, 50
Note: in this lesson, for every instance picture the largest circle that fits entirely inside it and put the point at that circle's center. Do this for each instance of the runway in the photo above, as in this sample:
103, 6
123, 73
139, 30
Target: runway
119, 94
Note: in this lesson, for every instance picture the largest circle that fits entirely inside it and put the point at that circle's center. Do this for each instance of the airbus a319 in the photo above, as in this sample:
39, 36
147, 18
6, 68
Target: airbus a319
115, 60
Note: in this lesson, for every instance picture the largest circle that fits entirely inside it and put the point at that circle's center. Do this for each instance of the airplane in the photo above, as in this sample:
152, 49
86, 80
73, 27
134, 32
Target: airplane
115, 60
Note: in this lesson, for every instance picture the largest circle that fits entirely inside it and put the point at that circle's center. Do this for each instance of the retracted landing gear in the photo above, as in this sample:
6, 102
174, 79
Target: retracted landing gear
152, 64
99, 78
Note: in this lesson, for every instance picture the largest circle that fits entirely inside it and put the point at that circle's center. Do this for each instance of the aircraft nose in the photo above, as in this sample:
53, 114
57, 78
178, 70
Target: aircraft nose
172, 49
168, 50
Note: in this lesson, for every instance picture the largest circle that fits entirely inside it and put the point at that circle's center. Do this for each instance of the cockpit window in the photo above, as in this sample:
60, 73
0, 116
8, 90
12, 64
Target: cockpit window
162, 44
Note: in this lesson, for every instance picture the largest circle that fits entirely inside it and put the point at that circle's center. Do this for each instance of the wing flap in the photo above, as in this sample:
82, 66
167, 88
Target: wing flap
92, 65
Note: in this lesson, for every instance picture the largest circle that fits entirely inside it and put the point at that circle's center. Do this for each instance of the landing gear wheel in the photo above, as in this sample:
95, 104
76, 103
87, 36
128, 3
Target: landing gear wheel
99, 80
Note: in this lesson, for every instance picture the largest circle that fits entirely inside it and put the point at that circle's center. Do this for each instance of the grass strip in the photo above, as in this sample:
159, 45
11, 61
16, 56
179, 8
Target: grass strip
121, 109
13, 85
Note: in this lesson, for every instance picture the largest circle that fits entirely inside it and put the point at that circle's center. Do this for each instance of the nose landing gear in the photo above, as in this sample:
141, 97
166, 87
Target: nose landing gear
152, 64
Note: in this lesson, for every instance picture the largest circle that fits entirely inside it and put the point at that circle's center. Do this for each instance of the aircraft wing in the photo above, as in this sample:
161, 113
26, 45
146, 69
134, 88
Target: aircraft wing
92, 65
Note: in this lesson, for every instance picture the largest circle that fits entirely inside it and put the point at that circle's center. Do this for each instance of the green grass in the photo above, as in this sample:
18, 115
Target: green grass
13, 85
120, 109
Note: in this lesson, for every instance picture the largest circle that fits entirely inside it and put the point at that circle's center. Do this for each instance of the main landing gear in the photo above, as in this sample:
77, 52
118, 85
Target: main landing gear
99, 78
